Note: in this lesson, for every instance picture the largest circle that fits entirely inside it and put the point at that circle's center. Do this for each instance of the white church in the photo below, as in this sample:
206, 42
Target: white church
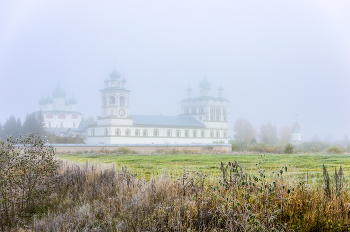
296, 137
202, 120
60, 114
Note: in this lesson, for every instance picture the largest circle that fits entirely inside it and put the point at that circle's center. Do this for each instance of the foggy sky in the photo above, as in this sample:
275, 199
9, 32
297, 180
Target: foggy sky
275, 59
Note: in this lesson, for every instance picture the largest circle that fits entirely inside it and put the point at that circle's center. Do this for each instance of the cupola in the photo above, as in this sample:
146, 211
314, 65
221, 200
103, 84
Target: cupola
59, 92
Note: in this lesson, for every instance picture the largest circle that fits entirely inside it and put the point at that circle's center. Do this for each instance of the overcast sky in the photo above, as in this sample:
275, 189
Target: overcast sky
275, 59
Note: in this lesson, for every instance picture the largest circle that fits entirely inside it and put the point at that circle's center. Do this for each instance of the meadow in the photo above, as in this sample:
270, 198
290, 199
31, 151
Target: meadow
308, 165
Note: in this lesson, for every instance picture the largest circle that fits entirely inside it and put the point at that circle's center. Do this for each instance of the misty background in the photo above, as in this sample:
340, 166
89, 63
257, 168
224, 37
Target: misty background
275, 59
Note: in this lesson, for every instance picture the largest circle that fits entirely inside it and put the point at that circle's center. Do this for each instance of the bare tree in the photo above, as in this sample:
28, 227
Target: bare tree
285, 134
244, 131
268, 134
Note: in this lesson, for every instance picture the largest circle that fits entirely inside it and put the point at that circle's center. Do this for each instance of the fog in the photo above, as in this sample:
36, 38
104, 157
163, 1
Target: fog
274, 59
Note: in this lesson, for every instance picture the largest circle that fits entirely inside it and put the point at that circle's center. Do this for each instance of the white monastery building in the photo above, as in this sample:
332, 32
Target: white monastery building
203, 119
60, 114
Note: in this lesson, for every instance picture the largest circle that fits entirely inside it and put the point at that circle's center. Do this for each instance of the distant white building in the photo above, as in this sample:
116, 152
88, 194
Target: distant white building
61, 115
296, 137
203, 119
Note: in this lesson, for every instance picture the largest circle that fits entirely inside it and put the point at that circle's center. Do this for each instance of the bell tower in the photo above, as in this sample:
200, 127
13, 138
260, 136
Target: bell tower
115, 97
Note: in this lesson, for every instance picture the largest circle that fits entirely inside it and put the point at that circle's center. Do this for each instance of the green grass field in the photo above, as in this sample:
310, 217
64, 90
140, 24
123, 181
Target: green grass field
150, 166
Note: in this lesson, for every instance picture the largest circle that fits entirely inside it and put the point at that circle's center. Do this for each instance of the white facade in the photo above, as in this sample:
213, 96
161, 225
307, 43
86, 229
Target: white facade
202, 120
296, 137
59, 113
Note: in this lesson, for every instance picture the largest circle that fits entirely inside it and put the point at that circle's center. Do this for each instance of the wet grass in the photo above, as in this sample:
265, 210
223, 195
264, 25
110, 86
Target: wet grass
149, 166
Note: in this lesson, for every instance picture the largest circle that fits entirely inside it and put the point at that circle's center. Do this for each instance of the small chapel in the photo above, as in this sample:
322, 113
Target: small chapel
202, 120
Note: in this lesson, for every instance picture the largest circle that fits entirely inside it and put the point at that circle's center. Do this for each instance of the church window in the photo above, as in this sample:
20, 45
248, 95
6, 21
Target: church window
92, 132
106, 131
49, 115
169, 133
74, 115
61, 124
211, 134
127, 132
212, 110
193, 110
225, 134
224, 118
145, 132
178, 133
206, 117
49, 124
186, 110
186, 133
218, 134
194, 133
156, 132
104, 101
122, 101
117, 132
203, 133
225, 111
61, 115
212, 118
201, 110
112, 100
218, 111
104, 113
137, 132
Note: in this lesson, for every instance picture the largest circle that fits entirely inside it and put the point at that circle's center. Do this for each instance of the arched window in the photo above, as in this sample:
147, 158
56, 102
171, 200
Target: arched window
211, 134
111, 100
137, 132
178, 133
156, 133
61, 115
49, 115
145, 132
106, 131
194, 133
122, 101
169, 133
117, 132
74, 116
218, 134
203, 133
187, 133
127, 132
104, 100
225, 134
92, 132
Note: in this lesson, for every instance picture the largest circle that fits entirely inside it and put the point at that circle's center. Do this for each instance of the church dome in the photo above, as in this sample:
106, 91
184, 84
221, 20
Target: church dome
296, 130
123, 80
106, 81
115, 74
220, 88
59, 92
189, 89
204, 84
73, 101
48, 100
42, 101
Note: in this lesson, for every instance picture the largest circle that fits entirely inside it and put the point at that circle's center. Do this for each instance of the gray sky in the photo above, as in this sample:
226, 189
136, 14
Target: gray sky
275, 59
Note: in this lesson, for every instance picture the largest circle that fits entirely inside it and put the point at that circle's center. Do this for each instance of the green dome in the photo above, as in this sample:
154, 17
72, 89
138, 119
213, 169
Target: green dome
48, 100
42, 101
73, 101
114, 74
204, 84
59, 92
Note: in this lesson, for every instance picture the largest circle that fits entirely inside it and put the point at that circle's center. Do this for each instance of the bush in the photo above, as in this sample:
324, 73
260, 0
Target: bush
288, 149
335, 150
27, 173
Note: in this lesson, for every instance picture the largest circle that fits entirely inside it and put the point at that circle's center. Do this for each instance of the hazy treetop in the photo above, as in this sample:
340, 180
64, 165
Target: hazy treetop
275, 59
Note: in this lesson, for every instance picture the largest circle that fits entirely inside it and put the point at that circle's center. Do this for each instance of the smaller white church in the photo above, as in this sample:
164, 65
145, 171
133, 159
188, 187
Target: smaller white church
202, 120
296, 137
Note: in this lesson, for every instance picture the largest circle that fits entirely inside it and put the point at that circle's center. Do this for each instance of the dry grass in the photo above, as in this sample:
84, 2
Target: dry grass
101, 198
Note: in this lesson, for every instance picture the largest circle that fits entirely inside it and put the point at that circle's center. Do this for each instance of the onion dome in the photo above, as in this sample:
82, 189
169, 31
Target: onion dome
204, 84
48, 100
189, 89
73, 101
123, 80
115, 74
42, 101
66, 102
221, 89
59, 92
106, 81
